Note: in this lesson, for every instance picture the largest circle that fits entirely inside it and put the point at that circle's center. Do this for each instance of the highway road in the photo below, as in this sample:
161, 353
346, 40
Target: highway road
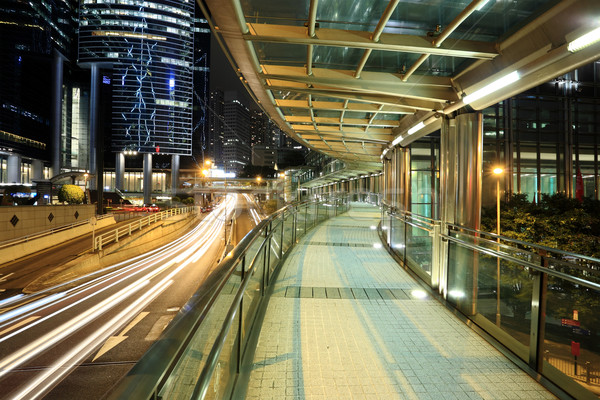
76, 340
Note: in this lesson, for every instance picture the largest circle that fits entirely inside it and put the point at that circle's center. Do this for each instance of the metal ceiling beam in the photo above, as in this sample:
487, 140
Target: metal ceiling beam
429, 88
362, 97
340, 106
360, 39
347, 121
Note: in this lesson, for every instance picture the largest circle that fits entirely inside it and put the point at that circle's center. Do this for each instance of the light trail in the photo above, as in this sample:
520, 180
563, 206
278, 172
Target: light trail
184, 252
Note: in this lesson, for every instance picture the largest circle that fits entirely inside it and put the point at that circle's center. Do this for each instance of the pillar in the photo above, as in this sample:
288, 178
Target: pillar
119, 171
147, 182
57, 95
174, 173
460, 198
37, 167
14, 168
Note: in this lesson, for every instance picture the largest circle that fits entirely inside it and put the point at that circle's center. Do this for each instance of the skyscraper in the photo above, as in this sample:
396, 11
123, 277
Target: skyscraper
36, 38
150, 48
236, 143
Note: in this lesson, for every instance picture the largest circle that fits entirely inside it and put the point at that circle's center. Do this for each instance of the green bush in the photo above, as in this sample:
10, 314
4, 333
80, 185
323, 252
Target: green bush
71, 194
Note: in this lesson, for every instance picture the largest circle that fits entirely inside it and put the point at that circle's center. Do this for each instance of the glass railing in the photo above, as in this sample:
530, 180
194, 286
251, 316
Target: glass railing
542, 304
201, 352
410, 238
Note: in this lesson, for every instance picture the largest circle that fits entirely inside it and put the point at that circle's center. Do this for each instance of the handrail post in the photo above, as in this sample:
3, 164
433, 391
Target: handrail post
281, 242
538, 318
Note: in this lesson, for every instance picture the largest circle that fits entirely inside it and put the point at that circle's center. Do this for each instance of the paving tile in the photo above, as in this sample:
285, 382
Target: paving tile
339, 326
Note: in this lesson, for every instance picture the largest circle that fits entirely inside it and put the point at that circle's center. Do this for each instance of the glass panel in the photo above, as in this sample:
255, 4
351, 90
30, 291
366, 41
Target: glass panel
419, 248
288, 231
187, 371
398, 241
275, 247
252, 294
571, 346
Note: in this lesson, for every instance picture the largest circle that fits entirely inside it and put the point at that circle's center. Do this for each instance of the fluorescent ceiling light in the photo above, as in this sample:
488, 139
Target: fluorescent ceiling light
479, 7
416, 128
584, 41
492, 87
397, 140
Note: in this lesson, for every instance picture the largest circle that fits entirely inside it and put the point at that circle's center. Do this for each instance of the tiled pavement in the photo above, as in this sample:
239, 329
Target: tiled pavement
343, 324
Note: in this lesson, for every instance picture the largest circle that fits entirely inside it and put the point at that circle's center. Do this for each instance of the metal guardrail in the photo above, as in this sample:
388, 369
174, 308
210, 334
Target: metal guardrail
25, 239
218, 319
541, 303
113, 236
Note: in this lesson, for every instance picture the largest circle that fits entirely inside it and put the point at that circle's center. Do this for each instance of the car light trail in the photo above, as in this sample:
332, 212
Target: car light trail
184, 251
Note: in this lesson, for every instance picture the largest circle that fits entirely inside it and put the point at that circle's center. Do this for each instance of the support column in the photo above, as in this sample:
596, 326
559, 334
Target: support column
14, 168
174, 173
57, 95
460, 196
147, 178
37, 167
94, 111
119, 170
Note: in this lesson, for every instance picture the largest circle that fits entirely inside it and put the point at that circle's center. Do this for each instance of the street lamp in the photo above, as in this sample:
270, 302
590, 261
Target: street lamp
498, 172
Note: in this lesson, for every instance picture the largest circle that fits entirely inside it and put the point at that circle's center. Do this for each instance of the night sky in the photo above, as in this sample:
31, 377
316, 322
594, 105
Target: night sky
223, 77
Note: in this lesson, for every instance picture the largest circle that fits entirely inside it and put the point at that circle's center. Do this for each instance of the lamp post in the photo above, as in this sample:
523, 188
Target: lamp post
498, 172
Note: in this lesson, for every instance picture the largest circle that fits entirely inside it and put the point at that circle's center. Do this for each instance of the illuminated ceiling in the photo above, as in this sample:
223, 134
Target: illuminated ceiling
350, 78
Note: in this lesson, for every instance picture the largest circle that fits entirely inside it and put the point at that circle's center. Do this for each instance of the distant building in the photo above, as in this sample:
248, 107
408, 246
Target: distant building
149, 46
236, 139
201, 137
36, 41
216, 133
264, 155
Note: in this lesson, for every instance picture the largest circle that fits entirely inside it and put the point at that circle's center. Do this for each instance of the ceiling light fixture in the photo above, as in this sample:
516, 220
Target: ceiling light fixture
416, 128
584, 41
492, 87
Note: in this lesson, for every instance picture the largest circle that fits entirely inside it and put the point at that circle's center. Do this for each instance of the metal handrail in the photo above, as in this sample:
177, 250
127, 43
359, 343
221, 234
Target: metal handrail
149, 375
126, 230
51, 231
536, 246
504, 256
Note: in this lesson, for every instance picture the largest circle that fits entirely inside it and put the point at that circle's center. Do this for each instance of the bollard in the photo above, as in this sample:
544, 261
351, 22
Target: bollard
587, 372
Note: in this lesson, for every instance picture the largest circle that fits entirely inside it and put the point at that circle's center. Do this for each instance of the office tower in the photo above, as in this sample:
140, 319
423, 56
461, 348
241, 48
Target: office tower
149, 46
201, 143
36, 40
214, 148
236, 143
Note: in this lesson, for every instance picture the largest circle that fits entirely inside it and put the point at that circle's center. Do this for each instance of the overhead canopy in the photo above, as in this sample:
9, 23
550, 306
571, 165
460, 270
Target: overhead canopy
349, 77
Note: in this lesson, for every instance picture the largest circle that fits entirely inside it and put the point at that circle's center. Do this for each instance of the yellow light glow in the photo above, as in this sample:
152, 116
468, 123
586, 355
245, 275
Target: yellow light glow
498, 171
205, 172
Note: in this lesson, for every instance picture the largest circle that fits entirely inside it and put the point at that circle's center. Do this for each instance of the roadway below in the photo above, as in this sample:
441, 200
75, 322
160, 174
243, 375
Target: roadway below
78, 339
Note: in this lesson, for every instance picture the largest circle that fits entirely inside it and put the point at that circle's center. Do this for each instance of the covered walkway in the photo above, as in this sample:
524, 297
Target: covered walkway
345, 321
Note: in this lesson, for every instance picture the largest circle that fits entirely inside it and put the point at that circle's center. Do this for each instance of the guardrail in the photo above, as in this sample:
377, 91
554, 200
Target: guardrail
113, 236
542, 304
219, 318
25, 239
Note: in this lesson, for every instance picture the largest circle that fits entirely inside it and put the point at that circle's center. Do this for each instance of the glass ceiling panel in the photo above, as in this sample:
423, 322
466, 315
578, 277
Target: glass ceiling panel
276, 11
389, 61
361, 15
286, 95
336, 57
281, 54
442, 66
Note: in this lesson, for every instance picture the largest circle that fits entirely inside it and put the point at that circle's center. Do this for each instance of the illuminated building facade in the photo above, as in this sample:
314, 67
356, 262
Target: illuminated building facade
149, 47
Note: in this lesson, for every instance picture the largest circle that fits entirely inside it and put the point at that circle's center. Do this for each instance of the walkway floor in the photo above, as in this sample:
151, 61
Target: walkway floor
343, 324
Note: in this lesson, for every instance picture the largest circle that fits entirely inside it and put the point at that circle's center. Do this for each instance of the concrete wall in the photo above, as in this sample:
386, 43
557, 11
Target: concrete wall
19, 221
44, 242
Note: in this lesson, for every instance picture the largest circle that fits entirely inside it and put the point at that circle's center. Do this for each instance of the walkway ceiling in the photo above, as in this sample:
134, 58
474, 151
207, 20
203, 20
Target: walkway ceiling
350, 78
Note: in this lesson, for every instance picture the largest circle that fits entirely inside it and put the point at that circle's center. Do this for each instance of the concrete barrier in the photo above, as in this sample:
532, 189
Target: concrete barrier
139, 243
45, 242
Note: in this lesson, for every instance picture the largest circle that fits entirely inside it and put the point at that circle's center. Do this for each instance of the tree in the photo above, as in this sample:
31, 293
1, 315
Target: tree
71, 194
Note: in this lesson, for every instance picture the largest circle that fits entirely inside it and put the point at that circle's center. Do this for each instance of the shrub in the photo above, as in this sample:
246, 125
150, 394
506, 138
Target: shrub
71, 194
